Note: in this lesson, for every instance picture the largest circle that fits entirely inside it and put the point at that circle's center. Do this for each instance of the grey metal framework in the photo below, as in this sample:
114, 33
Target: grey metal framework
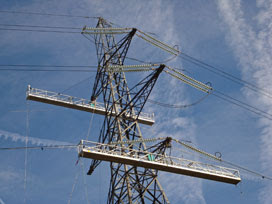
128, 184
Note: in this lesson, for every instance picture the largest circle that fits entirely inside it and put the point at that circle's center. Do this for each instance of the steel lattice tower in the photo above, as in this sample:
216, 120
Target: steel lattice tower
128, 184
120, 140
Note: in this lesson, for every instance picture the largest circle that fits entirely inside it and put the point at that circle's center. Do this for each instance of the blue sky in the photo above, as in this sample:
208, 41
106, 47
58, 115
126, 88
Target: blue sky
232, 35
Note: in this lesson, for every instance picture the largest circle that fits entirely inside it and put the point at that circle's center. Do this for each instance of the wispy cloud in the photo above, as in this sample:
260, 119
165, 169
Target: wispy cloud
34, 141
10, 178
253, 49
1, 201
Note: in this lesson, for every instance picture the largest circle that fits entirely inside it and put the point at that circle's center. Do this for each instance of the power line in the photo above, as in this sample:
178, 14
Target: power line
40, 147
47, 66
224, 74
73, 85
231, 100
40, 26
241, 104
47, 14
218, 71
184, 56
224, 97
40, 31
41, 65
216, 93
91, 40
246, 169
48, 29
75, 146
48, 70
235, 79
220, 160
177, 106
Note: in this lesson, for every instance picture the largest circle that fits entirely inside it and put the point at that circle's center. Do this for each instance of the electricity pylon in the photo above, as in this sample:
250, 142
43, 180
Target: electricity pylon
128, 184
134, 166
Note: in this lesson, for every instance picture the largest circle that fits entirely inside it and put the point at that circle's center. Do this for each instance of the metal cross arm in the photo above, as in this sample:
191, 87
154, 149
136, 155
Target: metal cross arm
119, 31
111, 30
131, 68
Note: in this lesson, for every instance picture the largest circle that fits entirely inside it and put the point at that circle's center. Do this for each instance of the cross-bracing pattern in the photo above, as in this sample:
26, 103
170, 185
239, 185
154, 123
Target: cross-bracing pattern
128, 184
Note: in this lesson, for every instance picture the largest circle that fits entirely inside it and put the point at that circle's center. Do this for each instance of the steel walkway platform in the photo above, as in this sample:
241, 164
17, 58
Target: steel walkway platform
58, 99
118, 154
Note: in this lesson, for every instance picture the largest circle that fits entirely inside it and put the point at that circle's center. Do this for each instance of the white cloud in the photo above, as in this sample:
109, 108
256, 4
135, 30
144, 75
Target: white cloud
253, 49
